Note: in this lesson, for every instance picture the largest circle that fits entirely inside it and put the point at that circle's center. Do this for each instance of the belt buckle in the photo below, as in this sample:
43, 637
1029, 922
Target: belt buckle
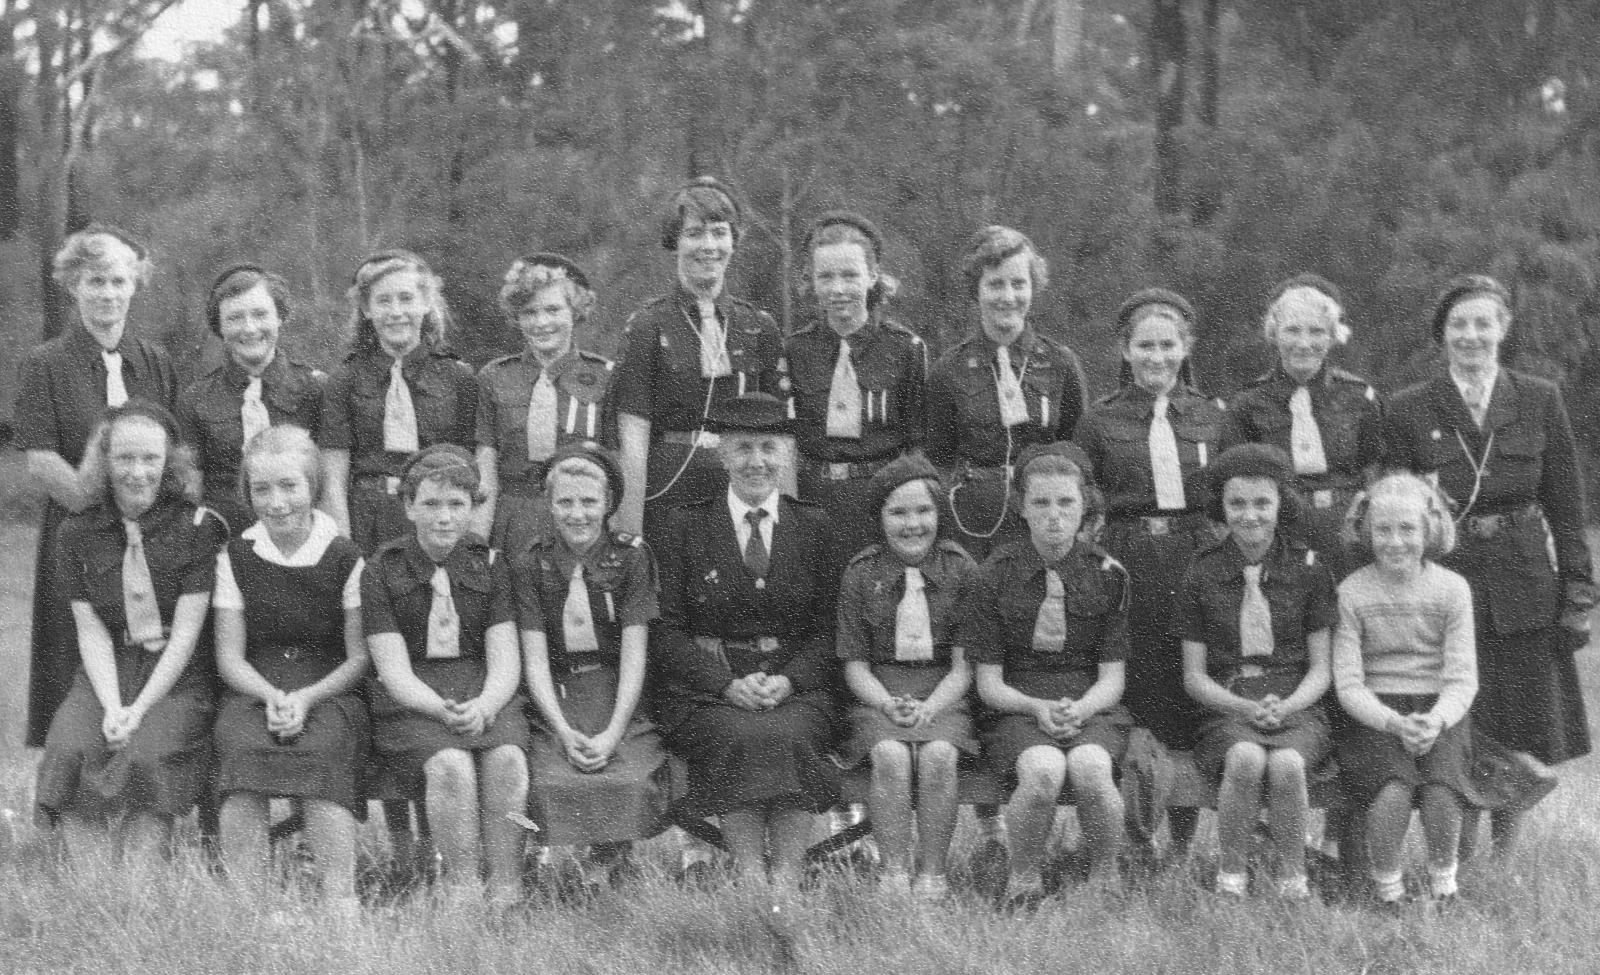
1486, 526
1322, 498
1252, 670
838, 472
1158, 524
391, 484
576, 669
291, 654
766, 645
706, 439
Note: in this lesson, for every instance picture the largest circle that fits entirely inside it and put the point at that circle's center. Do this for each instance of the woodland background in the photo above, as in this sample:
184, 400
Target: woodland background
1210, 145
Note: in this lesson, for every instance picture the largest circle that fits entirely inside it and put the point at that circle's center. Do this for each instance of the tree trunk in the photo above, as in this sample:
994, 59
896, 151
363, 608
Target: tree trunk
1168, 51
10, 162
1210, 62
1025, 21
1067, 36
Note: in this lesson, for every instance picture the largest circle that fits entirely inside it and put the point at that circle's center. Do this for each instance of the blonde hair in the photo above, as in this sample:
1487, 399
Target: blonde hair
1307, 298
1439, 528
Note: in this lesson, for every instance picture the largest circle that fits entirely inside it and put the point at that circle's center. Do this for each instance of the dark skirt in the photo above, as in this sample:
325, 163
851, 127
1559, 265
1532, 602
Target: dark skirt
376, 516
626, 800
520, 519
1529, 698
774, 759
162, 770
685, 474
1306, 731
1006, 736
1370, 759
868, 726
404, 740
53, 659
978, 513
325, 761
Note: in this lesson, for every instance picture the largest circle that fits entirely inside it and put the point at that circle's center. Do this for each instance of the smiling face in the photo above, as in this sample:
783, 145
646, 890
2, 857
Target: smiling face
841, 277
1005, 293
911, 521
1473, 331
280, 493
249, 325
136, 457
1155, 349
578, 504
1399, 529
546, 322
1250, 506
1304, 337
704, 250
397, 304
440, 511
1053, 508
753, 461
104, 291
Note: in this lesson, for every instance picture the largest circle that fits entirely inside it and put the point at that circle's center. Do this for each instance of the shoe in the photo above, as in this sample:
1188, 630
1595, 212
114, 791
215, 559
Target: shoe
989, 867
930, 889
1023, 899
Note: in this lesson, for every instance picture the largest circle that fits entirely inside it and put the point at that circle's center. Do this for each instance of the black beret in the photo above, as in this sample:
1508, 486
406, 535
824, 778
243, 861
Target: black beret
545, 259
849, 219
600, 457
902, 470
1464, 286
440, 457
750, 413
1253, 460
1153, 296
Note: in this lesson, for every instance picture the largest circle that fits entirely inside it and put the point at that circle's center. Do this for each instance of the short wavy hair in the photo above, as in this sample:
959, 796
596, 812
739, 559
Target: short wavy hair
238, 279
1439, 532
705, 198
525, 280
993, 246
286, 440
435, 321
1046, 463
1309, 297
98, 243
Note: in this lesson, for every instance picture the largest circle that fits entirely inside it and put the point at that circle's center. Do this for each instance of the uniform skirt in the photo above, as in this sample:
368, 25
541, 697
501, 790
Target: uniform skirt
1306, 731
756, 759
1370, 759
404, 740
325, 761
1006, 736
162, 770
868, 726
53, 659
626, 800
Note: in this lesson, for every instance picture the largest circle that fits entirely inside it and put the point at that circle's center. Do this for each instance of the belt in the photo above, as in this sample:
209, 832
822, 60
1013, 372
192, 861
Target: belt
750, 653
1158, 525
387, 483
691, 438
1490, 525
843, 470
584, 667
1325, 498
975, 472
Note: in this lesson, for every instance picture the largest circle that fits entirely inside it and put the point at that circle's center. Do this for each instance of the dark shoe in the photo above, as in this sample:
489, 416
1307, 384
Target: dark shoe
989, 868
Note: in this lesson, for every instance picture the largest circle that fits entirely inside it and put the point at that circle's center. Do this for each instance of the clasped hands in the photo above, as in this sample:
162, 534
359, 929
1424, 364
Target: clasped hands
286, 714
1061, 719
588, 753
758, 691
1417, 731
908, 712
119, 724
1267, 714
471, 717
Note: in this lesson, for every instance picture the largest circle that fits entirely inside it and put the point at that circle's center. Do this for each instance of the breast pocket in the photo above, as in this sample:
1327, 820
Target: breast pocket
1520, 454
1194, 441
102, 583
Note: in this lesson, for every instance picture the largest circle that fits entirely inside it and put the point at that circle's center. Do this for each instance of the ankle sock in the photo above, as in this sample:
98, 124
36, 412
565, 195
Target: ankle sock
1388, 888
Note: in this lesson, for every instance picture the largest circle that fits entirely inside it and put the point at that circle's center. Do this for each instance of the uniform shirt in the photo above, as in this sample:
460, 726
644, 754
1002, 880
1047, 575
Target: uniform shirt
62, 392
1349, 417
964, 407
583, 410
209, 416
397, 593
619, 572
1115, 433
1299, 591
998, 617
659, 375
180, 546
444, 395
892, 370
869, 599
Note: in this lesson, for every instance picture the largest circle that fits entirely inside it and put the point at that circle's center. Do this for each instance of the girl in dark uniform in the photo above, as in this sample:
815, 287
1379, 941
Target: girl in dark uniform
899, 607
587, 596
447, 717
130, 747
1149, 443
290, 649
1255, 613
1047, 627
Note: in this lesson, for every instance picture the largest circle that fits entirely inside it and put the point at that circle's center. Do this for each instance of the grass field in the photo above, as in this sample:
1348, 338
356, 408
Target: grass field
1535, 914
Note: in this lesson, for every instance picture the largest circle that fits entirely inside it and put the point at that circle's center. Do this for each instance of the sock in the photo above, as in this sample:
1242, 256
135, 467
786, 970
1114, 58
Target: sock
1233, 884
992, 828
1388, 888
1442, 880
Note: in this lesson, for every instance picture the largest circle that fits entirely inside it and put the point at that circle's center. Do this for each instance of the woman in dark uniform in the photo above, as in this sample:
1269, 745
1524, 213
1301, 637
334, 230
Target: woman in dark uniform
66, 385
1256, 613
1149, 442
1329, 421
1047, 627
858, 375
743, 650
586, 597
684, 353
1004, 387
290, 649
131, 744
530, 404
900, 603
1501, 446
258, 385
447, 717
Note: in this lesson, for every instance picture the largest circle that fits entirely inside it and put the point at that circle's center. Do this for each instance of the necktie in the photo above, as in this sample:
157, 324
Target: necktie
1050, 626
844, 398
139, 594
713, 344
542, 418
755, 549
399, 415
1305, 439
577, 617
1255, 618
444, 626
1013, 406
1165, 468
913, 631
1478, 400
253, 412
116, 391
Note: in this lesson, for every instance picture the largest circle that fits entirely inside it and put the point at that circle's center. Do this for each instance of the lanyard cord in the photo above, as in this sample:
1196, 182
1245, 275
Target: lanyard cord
1480, 467
1005, 496
705, 414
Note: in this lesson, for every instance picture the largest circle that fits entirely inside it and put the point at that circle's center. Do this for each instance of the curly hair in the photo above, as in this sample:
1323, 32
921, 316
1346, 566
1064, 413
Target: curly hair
379, 266
993, 246
98, 243
238, 279
526, 279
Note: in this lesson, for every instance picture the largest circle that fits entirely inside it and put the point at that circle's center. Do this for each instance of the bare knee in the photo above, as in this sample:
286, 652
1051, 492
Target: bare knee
506, 767
891, 761
450, 773
1090, 769
1040, 772
1244, 764
937, 758
1287, 768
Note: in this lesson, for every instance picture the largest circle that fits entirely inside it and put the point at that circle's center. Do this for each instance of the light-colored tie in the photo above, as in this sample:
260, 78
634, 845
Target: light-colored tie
444, 625
1305, 438
1013, 405
139, 593
1165, 467
577, 616
844, 397
252, 412
1050, 626
713, 344
116, 390
913, 630
399, 415
1255, 617
1478, 400
542, 418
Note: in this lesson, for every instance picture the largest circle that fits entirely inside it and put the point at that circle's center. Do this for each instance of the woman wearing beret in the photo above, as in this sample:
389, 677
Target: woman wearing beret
1500, 444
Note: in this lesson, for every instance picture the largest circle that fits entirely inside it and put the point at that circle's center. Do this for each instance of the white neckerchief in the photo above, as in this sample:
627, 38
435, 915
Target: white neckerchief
737, 509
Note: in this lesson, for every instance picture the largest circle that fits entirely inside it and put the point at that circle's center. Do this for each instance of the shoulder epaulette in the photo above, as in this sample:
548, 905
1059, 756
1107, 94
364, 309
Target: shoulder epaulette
890, 325
500, 360
869, 552
623, 538
1260, 380
952, 546
596, 358
200, 513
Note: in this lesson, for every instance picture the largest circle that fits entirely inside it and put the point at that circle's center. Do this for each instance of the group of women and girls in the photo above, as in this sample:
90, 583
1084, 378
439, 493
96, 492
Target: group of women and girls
516, 591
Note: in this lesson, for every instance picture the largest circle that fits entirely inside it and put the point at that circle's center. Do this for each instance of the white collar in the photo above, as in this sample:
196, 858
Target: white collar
1490, 377
737, 508
323, 531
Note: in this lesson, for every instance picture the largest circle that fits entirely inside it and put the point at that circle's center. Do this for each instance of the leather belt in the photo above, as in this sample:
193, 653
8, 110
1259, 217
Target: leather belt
843, 470
1158, 525
691, 438
974, 472
1490, 525
387, 483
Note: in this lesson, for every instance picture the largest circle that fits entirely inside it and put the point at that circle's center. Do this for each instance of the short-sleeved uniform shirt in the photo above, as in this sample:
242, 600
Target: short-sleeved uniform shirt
1300, 596
891, 369
869, 600
1115, 433
1349, 418
62, 392
397, 593
1007, 590
964, 408
619, 574
444, 394
584, 411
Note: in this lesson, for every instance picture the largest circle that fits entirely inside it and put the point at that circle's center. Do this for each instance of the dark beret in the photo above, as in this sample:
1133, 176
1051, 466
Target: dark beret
1460, 287
750, 413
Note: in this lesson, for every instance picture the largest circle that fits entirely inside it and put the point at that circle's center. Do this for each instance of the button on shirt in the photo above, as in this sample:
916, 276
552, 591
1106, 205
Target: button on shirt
62, 390
964, 423
397, 593
620, 574
869, 599
999, 617
585, 410
444, 396
1348, 412
1115, 433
